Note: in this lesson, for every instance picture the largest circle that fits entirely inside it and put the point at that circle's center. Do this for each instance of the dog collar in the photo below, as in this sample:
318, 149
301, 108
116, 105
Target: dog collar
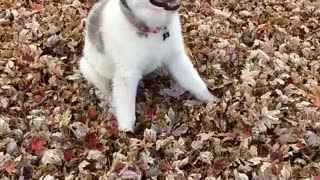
139, 24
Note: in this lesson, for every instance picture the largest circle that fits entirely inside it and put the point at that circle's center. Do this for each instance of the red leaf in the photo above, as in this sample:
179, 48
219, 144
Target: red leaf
27, 58
264, 28
119, 167
316, 178
68, 155
165, 167
247, 132
37, 7
151, 114
92, 114
83, 120
36, 145
91, 141
8, 167
99, 146
144, 145
301, 145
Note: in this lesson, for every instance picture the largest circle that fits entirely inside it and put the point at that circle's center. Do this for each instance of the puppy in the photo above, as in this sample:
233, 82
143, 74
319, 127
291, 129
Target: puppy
127, 39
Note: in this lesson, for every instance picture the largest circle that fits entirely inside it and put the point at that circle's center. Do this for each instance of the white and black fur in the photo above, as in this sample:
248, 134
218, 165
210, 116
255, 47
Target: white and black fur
127, 39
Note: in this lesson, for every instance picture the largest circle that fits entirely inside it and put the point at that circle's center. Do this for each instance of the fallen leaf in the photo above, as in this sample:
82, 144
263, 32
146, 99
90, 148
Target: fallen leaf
240, 176
52, 156
68, 155
82, 165
180, 163
92, 114
95, 155
312, 139
27, 58
206, 157
285, 172
10, 167
27, 172
91, 141
37, 145
316, 96
37, 7
128, 174
178, 131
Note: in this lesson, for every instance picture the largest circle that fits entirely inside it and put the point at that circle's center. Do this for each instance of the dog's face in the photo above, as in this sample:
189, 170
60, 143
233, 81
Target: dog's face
154, 12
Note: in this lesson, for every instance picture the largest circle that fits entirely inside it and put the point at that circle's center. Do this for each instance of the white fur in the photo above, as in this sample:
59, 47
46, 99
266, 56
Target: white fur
128, 57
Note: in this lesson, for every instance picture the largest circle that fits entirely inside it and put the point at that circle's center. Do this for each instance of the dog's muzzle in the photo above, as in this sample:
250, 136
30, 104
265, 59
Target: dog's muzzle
169, 5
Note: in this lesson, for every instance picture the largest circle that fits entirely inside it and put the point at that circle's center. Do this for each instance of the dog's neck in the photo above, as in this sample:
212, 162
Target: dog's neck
135, 21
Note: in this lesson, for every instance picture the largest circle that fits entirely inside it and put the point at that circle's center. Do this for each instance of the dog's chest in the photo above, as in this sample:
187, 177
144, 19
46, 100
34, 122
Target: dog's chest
156, 51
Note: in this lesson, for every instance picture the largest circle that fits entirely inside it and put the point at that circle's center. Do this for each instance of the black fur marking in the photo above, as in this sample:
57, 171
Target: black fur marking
165, 35
93, 27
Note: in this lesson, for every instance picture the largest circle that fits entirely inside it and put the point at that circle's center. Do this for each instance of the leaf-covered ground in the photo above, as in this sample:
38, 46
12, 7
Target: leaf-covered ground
260, 57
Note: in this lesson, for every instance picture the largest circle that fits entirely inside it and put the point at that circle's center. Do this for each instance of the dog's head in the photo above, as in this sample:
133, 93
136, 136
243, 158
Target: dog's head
154, 12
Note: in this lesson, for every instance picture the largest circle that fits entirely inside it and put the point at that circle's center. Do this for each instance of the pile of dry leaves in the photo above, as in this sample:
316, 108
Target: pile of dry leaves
260, 57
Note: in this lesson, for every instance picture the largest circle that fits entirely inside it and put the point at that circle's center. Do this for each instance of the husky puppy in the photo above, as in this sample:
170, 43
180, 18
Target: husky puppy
127, 39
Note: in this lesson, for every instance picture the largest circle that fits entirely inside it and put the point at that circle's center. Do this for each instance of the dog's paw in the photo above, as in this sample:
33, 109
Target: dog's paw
212, 98
208, 97
126, 126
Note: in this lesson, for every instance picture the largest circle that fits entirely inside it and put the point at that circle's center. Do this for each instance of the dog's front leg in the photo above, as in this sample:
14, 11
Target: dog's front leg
124, 98
181, 68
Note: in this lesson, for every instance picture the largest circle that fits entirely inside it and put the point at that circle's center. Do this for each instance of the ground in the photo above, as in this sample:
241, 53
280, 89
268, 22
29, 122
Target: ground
260, 57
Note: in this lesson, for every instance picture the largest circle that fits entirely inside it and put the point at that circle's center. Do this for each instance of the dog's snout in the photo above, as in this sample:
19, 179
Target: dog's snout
169, 5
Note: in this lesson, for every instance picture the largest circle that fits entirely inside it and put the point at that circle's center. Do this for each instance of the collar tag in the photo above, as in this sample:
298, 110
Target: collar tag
165, 35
